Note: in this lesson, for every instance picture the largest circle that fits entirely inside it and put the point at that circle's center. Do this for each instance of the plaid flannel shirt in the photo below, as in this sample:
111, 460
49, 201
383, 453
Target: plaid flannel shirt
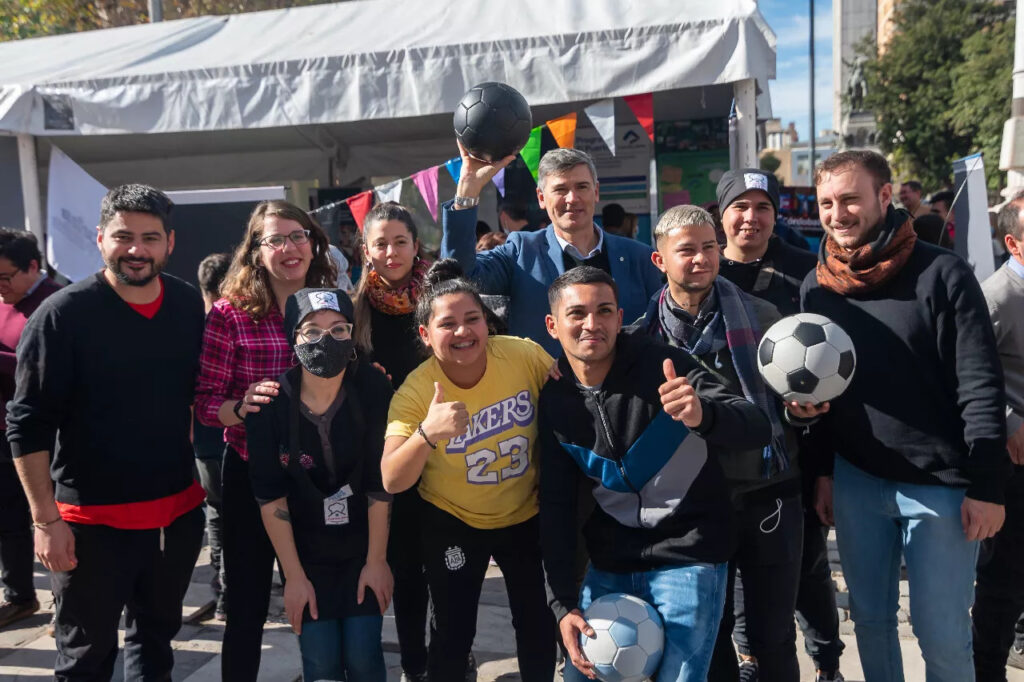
238, 351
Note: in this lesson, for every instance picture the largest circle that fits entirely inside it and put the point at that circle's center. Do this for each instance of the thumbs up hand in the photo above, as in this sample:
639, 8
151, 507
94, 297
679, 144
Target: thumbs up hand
678, 397
445, 420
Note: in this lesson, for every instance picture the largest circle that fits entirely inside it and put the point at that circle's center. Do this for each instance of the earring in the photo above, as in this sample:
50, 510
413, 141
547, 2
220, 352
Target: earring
355, 355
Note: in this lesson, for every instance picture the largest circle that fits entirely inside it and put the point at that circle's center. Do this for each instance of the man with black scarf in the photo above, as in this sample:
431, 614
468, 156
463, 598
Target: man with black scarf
920, 432
720, 326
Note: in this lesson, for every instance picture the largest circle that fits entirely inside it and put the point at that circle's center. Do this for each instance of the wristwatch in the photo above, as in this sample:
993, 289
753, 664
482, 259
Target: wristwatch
466, 202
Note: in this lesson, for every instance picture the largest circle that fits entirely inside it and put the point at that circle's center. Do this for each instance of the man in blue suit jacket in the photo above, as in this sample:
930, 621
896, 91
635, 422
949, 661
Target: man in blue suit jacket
524, 266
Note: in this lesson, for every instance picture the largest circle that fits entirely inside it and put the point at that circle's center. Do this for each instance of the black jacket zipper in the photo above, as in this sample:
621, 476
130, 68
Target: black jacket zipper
618, 457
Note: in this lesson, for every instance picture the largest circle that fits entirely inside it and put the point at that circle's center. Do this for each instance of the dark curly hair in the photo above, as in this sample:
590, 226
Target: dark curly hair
445, 277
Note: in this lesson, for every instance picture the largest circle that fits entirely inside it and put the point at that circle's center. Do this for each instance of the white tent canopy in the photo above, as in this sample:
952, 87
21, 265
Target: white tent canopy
361, 88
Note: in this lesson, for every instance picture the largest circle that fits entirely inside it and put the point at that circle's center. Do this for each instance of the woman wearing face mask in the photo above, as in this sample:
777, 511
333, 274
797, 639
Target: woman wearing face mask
386, 333
464, 421
244, 349
314, 462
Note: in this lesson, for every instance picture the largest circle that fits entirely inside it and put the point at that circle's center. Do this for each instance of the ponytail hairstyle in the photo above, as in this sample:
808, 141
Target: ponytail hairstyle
383, 212
445, 277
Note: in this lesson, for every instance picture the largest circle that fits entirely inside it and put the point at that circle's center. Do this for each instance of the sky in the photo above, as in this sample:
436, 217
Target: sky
790, 20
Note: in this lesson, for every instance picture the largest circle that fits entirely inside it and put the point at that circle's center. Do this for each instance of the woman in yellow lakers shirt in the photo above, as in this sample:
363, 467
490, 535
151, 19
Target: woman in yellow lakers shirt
464, 424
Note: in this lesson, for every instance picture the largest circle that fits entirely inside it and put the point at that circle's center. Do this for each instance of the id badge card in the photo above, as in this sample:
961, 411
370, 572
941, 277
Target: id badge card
336, 507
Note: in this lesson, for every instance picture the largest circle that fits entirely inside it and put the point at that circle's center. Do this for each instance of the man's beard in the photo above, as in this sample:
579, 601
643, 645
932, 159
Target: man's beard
155, 268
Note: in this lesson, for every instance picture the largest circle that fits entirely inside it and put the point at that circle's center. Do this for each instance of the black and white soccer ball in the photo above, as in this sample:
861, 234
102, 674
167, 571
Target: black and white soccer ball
493, 121
807, 358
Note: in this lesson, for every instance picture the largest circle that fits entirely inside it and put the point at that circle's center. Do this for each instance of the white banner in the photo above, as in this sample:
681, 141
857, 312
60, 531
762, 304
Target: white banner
624, 176
390, 192
602, 115
72, 214
973, 233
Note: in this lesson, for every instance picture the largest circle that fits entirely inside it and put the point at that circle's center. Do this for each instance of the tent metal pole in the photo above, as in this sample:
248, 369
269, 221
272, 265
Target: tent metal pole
30, 198
746, 122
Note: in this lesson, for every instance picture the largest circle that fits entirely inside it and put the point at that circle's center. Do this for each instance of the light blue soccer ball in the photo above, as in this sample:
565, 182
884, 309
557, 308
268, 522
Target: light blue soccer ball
629, 638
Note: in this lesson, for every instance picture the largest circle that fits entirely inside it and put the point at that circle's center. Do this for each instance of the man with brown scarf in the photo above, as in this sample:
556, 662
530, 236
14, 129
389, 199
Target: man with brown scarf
920, 433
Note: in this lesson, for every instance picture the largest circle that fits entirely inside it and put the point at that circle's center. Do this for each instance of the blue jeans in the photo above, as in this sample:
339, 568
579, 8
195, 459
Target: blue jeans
689, 599
343, 649
878, 520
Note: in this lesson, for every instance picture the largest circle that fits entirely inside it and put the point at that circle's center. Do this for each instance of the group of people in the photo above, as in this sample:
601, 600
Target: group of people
385, 447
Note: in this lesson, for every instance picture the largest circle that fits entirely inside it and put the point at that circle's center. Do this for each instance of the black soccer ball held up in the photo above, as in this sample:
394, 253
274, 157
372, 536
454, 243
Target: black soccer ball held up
493, 121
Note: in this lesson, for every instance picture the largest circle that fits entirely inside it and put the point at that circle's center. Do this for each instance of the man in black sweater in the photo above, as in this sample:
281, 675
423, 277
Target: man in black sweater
920, 432
761, 264
106, 370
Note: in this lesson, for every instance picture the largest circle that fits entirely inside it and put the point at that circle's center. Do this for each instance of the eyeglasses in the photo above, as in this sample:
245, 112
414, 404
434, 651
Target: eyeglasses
340, 331
5, 278
276, 241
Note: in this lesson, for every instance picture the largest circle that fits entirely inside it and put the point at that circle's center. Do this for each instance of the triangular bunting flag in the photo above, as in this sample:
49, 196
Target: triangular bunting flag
360, 205
392, 191
602, 115
454, 167
499, 181
642, 107
426, 183
563, 129
531, 152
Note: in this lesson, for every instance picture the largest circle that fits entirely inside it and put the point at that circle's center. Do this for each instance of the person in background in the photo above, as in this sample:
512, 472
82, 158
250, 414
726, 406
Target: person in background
490, 241
464, 425
513, 217
314, 462
349, 241
790, 234
911, 198
385, 333
613, 216
931, 228
941, 204
208, 443
23, 287
341, 263
999, 593
244, 350
99, 428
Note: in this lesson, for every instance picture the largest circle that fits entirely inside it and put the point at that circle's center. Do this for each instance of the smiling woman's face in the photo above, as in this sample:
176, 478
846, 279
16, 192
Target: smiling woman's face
291, 261
457, 331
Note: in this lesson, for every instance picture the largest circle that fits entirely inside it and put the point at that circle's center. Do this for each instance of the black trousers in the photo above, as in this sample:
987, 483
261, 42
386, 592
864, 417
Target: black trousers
764, 577
816, 599
456, 557
124, 570
209, 477
16, 546
248, 565
999, 590
411, 597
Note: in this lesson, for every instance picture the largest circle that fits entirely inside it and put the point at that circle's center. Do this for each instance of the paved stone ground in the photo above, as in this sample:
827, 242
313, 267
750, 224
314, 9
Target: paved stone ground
27, 652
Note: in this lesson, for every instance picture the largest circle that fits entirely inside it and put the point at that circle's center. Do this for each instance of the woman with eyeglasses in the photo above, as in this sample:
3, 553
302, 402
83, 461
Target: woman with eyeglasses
244, 349
314, 462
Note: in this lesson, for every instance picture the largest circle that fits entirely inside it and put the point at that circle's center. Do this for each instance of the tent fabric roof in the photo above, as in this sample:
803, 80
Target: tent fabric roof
371, 60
